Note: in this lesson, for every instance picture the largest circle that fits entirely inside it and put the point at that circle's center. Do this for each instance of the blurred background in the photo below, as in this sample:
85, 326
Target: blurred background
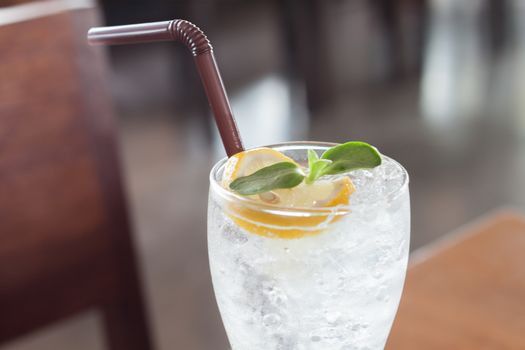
435, 84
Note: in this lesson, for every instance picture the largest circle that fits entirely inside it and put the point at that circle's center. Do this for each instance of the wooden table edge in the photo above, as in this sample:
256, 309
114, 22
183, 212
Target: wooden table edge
464, 232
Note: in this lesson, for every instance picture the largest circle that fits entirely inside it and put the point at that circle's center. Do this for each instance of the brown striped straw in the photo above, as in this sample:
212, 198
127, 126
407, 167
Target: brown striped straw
202, 51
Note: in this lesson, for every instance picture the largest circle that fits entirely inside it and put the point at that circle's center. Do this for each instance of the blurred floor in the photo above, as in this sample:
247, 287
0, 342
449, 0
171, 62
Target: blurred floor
464, 158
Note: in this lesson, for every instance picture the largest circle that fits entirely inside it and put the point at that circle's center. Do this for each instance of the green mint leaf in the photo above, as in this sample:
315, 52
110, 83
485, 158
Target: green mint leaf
312, 157
316, 169
279, 175
350, 156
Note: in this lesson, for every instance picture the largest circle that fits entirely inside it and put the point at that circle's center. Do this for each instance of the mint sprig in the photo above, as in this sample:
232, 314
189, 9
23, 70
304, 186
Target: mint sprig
275, 176
342, 158
316, 166
346, 157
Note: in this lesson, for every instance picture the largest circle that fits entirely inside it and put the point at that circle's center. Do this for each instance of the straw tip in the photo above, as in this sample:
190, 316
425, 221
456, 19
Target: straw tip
92, 36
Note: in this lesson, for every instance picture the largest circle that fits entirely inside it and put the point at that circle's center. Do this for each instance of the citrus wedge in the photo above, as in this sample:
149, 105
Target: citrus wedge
248, 162
320, 194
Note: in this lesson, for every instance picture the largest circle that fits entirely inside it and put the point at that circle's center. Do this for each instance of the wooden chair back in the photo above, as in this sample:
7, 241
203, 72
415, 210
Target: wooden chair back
65, 242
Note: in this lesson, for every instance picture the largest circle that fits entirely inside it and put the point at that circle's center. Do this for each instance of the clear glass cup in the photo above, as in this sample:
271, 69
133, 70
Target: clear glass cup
336, 285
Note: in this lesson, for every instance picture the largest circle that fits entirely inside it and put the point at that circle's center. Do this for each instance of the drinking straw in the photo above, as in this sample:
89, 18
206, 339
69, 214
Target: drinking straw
202, 51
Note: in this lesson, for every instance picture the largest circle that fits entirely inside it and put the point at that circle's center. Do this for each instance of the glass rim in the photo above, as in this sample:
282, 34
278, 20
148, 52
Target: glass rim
230, 196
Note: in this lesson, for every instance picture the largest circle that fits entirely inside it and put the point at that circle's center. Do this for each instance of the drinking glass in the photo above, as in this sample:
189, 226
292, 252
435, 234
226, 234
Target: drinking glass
335, 285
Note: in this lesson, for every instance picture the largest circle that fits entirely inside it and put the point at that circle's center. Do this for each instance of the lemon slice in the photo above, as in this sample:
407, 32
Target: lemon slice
248, 162
320, 194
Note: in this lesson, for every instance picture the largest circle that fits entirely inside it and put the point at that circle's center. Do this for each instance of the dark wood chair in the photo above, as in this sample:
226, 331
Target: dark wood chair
65, 242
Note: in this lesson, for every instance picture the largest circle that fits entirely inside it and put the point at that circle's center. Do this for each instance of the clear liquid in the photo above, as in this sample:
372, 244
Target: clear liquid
335, 290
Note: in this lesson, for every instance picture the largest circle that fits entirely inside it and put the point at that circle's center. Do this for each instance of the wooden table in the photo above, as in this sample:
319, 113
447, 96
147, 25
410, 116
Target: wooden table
466, 291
